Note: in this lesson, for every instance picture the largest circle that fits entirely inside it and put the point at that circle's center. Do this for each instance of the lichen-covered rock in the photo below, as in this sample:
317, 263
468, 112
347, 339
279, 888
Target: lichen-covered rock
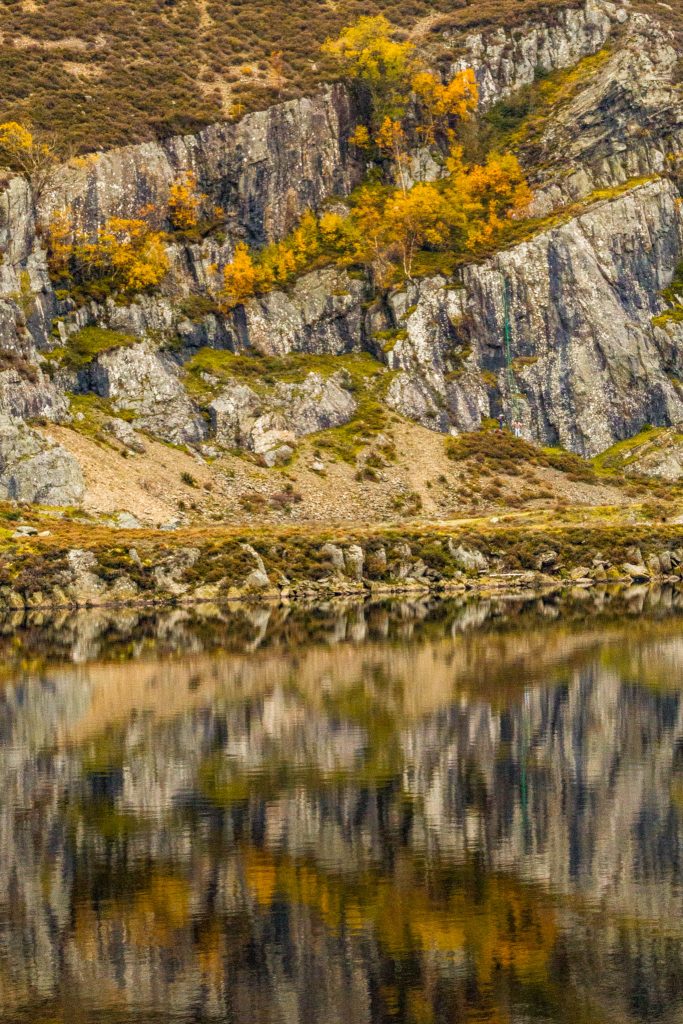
261, 421
34, 469
434, 384
27, 393
320, 315
125, 435
506, 59
146, 384
264, 170
466, 558
595, 140
589, 367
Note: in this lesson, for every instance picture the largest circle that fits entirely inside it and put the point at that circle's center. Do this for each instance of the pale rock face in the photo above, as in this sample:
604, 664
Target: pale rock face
261, 422
265, 171
31, 398
321, 314
144, 382
583, 295
622, 124
426, 387
582, 300
505, 59
33, 469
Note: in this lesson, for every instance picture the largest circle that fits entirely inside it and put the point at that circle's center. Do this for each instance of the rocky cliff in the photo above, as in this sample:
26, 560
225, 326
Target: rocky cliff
589, 366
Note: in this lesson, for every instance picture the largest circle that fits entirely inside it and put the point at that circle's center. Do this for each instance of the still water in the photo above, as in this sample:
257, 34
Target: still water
416, 813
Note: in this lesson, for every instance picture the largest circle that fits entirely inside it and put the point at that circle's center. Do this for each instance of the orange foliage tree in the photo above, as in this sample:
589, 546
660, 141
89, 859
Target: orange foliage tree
185, 202
394, 218
127, 254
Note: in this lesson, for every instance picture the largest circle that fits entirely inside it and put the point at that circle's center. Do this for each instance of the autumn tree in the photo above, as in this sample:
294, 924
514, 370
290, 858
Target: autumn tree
185, 202
442, 106
241, 278
274, 266
60, 245
368, 53
127, 254
131, 253
23, 152
394, 218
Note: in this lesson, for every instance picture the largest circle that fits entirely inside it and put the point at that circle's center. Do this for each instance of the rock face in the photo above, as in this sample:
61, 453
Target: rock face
33, 469
589, 368
142, 382
264, 171
506, 59
320, 315
623, 123
261, 422
433, 385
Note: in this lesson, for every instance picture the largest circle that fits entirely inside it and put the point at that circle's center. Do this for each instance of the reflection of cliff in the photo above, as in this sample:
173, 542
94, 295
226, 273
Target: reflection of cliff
351, 831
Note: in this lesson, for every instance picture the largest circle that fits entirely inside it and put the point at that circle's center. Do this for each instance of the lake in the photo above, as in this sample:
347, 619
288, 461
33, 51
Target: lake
404, 812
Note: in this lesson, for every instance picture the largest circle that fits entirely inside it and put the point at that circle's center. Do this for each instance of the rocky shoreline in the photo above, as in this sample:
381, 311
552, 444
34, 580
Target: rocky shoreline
201, 566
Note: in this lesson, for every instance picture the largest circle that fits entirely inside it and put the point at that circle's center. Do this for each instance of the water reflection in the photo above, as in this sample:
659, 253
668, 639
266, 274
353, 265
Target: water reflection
414, 813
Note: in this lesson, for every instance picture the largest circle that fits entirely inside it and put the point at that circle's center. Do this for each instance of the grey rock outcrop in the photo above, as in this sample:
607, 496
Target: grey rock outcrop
34, 469
506, 59
321, 315
589, 367
264, 171
144, 383
261, 421
433, 385
624, 121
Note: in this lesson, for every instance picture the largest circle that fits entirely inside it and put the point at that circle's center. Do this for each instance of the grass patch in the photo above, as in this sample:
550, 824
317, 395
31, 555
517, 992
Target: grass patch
88, 343
625, 453
212, 368
673, 295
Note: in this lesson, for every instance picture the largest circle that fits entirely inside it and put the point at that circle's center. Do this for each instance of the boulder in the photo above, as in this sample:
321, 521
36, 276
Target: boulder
467, 559
334, 555
35, 469
354, 560
268, 420
147, 384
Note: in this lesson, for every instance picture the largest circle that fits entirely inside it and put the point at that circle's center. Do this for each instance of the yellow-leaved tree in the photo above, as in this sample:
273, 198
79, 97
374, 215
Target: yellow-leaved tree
127, 255
23, 152
132, 253
185, 202
368, 52
241, 278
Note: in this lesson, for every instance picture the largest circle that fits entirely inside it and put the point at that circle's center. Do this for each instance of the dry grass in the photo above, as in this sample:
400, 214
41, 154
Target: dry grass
102, 73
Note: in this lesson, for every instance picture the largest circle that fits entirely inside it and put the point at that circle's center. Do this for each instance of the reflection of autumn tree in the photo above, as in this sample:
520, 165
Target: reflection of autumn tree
496, 928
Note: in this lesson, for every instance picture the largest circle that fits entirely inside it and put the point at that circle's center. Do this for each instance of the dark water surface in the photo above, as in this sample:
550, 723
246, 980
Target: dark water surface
400, 813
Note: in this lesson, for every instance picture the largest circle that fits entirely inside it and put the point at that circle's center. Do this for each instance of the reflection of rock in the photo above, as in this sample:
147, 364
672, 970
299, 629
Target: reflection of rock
276, 801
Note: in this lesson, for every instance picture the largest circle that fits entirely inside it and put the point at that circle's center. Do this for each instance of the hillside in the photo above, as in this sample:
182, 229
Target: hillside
101, 74
284, 318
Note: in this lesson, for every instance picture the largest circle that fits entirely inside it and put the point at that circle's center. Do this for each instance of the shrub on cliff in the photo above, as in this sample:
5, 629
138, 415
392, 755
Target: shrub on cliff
126, 256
